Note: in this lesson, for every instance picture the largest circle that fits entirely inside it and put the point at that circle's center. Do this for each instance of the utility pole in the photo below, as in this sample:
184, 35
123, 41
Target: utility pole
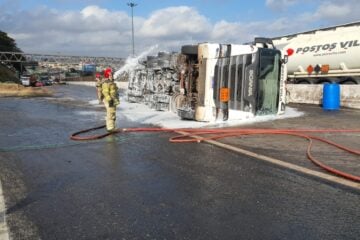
132, 5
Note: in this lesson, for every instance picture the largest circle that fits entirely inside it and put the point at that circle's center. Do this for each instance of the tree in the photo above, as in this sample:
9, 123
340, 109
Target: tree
7, 44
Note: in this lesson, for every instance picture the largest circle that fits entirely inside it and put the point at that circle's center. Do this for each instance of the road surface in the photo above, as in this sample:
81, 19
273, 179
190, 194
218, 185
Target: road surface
141, 186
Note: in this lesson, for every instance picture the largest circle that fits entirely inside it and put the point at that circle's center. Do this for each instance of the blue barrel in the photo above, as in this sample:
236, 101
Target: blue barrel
331, 96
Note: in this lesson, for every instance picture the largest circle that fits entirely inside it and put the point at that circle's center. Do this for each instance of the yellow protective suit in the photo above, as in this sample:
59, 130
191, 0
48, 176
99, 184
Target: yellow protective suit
110, 95
99, 94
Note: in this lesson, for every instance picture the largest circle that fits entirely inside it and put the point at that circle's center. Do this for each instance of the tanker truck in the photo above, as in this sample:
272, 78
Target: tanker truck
323, 55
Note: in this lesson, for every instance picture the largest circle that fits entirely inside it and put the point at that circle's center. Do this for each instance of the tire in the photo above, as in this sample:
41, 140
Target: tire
349, 82
149, 58
164, 55
163, 63
324, 81
303, 81
189, 49
151, 61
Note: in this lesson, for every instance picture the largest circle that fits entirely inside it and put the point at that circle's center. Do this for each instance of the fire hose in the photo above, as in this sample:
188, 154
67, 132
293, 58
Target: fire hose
199, 135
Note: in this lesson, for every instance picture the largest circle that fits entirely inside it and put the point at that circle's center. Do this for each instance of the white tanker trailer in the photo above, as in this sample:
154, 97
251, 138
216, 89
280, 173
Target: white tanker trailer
324, 55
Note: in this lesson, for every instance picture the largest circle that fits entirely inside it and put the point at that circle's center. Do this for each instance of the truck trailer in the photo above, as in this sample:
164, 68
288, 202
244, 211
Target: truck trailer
325, 55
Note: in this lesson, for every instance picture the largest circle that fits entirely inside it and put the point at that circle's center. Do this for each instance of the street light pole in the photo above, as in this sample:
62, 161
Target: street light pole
132, 5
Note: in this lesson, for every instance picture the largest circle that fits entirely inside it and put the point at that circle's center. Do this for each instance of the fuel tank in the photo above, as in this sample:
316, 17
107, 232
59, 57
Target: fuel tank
338, 47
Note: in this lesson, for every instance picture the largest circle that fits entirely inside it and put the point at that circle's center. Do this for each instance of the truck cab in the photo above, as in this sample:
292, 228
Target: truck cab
225, 79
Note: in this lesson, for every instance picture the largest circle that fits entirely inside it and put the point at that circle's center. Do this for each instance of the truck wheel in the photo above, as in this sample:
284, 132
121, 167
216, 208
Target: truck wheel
163, 63
303, 81
324, 81
164, 55
189, 49
348, 82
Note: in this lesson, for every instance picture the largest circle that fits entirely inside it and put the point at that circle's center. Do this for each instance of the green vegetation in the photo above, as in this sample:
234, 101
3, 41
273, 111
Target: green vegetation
8, 73
7, 44
17, 90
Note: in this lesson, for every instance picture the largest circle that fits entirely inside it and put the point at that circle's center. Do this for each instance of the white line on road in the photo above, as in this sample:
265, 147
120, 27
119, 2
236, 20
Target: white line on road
320, 175
4, 232
323, 176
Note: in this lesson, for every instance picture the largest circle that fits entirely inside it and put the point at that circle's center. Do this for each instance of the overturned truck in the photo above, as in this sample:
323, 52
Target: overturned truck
209, 81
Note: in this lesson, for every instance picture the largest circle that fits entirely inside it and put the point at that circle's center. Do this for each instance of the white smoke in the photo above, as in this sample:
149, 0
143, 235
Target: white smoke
133, 61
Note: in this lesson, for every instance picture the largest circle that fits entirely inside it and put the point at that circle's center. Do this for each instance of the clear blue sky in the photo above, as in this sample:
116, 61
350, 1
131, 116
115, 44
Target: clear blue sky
103, 27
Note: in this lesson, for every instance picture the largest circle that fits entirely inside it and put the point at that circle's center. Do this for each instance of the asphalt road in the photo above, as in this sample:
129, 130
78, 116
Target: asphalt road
140, 186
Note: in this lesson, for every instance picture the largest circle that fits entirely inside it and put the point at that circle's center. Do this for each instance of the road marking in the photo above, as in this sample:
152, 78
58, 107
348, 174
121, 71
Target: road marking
323, 176
4, 232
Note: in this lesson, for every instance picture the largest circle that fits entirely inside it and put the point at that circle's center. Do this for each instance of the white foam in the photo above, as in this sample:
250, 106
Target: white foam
143, 114
87, 113
95, 102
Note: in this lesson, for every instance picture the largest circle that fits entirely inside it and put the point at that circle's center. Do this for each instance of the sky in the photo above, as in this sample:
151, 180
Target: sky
103, 27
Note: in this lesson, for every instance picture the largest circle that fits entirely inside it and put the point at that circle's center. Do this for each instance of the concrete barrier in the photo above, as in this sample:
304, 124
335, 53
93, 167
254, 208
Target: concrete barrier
296, 93
313, 94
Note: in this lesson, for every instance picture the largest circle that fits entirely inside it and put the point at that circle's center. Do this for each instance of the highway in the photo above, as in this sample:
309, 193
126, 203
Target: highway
141, 186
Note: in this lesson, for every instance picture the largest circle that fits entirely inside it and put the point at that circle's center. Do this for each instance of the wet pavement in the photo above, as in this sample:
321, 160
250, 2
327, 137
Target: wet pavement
293, 149
141, 186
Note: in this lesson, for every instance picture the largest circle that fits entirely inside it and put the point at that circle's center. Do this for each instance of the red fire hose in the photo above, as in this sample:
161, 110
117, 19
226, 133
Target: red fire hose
198, 135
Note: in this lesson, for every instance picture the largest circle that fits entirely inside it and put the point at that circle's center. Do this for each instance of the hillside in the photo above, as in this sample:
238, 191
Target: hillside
7, 75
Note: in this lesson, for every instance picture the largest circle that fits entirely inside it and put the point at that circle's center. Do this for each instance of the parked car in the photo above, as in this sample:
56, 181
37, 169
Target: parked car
28, 79
45, 80
25, 81
39, 84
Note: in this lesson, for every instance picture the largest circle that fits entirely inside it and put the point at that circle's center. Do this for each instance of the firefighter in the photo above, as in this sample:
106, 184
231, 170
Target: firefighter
98, 87
110, 96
